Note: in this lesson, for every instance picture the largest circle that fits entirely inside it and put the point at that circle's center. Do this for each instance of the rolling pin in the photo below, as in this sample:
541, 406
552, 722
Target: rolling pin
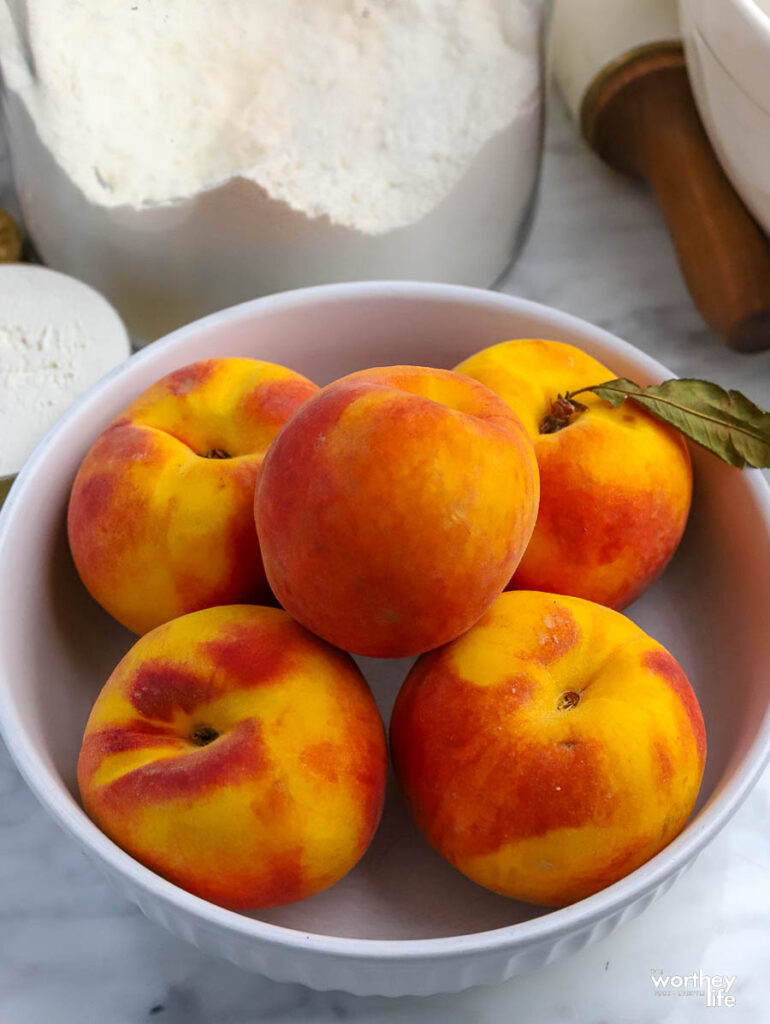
621, 68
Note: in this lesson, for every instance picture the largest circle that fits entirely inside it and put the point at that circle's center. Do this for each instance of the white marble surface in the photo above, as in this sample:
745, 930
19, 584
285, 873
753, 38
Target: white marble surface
73, 952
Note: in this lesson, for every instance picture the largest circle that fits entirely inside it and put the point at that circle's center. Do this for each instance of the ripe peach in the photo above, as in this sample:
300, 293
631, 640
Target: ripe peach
615, 483
550, 750
394, 507
238, 756
161, 512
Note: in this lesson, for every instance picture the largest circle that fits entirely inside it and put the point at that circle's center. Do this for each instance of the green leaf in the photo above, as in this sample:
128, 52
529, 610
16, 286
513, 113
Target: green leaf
725, 422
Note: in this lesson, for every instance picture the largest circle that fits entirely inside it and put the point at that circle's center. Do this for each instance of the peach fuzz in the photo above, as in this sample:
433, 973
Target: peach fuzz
238, 756
394, 507
615, 482
161, 512
549, 751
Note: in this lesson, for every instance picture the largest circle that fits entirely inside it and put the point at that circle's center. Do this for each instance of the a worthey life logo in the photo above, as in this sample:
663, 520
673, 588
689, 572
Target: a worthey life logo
716, 989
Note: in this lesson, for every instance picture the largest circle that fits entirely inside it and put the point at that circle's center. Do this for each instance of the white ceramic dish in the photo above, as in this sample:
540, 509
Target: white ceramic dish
728, 56
403, 921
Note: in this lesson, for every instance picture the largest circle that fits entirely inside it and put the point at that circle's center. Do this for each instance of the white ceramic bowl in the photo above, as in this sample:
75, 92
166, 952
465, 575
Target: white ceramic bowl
728, 56
403, 921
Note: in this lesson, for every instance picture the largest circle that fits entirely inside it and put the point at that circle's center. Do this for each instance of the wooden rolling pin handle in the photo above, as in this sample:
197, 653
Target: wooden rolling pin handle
640, 117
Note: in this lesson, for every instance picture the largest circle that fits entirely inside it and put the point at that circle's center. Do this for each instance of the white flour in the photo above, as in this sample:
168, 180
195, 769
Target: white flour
361, 116
57, 337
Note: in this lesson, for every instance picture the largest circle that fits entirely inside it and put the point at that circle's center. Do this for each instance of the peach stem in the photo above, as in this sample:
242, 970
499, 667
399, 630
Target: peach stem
563, 409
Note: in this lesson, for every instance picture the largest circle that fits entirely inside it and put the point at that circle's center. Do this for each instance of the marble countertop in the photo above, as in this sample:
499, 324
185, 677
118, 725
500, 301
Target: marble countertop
72, 951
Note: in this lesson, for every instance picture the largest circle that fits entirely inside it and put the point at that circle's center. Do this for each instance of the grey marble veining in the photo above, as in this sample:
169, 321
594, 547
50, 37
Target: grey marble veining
73, 952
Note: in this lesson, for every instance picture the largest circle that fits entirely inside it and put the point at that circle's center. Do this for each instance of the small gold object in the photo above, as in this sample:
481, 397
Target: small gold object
10, 239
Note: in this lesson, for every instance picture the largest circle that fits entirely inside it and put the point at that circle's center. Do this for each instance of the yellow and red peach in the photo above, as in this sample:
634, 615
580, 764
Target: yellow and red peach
615, 482
550, 750
161, 513
393, 508
238, 756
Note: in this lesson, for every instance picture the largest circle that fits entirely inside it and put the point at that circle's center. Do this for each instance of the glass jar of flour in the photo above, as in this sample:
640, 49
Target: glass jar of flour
183, 155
